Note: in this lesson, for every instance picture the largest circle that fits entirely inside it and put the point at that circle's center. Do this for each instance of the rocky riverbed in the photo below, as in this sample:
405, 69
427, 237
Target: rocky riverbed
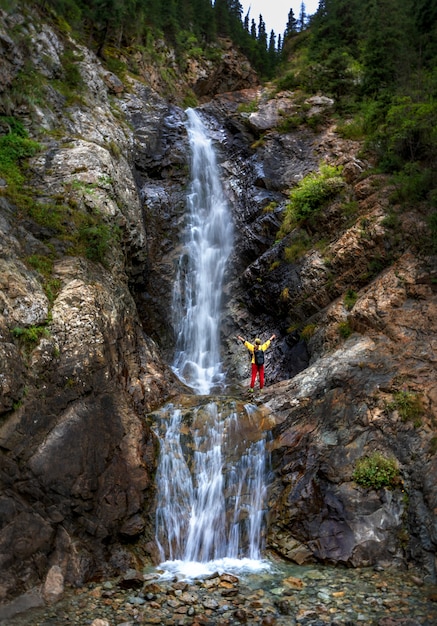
285, 595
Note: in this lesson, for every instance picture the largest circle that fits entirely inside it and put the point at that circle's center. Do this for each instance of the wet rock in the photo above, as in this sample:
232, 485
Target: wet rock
293, 583
53, 587
284, 607
131, 580
241, 616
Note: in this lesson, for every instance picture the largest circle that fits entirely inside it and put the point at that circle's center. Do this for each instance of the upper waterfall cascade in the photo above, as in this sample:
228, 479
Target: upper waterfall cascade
208, 241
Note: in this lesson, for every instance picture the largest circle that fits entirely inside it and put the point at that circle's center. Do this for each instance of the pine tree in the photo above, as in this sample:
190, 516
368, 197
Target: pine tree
291, 28
388, 52
253, 30
302, 17
272, 45
262, 33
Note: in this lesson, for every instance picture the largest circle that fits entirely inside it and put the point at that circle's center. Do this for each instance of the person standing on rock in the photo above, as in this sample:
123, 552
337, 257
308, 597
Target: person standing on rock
257, 351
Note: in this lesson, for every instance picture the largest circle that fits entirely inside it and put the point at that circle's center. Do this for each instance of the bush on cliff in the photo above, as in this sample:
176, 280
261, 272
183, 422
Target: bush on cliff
376, 471
310, 195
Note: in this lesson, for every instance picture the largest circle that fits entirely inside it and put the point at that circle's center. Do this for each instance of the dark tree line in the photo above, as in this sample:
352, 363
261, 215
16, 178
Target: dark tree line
391, 41
127, 22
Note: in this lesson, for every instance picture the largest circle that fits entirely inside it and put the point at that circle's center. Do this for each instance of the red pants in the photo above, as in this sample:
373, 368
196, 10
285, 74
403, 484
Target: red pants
257, 369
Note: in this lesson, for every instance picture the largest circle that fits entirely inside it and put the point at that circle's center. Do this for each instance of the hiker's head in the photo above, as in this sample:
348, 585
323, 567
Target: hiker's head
257, 342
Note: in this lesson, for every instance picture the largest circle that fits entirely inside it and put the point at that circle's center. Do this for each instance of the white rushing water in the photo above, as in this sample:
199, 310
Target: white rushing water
211, 499
197, 297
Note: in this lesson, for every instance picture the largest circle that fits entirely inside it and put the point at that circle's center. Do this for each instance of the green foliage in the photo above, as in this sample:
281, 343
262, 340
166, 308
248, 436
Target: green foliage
95, 238
15, 149
116, 66
408, 404
411, 128
50, 215
376, 471
31, 335
352, 128
349, 209
349, 299
310, 195
8, 5
297, 248
287, 82
86, 234
412, 183
52, 287
42, 264
391, 221
190, 100
345, 329
270, 207
72, 75
308, 331
290, 123
25, 90
248, 107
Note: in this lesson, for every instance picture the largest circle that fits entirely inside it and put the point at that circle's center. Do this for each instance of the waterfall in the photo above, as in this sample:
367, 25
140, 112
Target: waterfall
211, 494
197, 294
210, 481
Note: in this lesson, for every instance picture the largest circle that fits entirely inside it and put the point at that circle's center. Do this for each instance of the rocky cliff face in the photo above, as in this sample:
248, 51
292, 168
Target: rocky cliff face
78, 372
86, 331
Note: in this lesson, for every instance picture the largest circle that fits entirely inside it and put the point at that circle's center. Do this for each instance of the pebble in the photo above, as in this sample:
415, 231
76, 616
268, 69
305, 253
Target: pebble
287, 596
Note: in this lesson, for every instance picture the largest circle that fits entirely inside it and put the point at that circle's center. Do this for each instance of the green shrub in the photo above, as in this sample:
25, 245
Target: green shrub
308, 331
297, 248
345, 329
412, 183
408, 404
270, 207
351, 129
41, 264
72, 75
30, 335
52, 287
15, 148
310, 195
287, 82
391, 221
349, 299
190, 100
50, 215
274, 265
350, 209
116, 66
96, 238
411, 128
290, 123
248, 107
376, 471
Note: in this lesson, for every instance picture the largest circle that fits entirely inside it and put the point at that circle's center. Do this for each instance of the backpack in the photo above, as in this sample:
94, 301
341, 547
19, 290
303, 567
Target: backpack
259, 356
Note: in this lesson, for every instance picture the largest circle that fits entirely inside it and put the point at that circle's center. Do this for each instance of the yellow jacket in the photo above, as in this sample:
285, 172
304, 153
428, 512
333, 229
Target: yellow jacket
251, 348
